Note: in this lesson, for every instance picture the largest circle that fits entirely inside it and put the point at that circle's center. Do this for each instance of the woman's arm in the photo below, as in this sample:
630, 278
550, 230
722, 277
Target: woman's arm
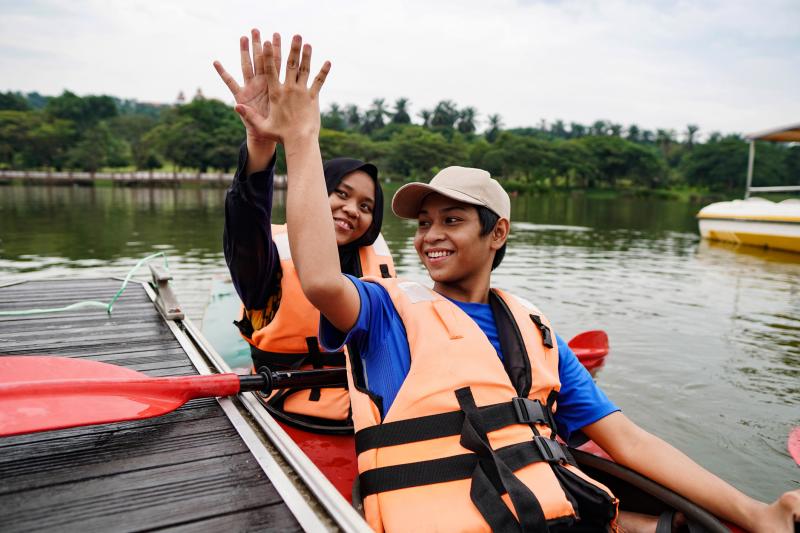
250, 254
247, 238
294, 120
631, 446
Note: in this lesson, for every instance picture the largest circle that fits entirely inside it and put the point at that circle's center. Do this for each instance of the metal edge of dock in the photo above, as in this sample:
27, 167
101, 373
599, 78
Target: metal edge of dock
272, 447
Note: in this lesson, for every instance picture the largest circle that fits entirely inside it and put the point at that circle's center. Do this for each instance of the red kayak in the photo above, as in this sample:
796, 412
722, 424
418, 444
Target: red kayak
335, 455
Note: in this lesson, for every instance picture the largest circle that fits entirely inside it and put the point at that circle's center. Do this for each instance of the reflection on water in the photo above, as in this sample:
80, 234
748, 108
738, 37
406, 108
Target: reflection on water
705, 338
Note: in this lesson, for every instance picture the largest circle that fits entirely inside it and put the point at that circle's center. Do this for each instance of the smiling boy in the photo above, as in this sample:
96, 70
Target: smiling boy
454, 390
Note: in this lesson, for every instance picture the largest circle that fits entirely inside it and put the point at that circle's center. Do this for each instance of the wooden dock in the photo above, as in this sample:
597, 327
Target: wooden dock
134, 178
212, 465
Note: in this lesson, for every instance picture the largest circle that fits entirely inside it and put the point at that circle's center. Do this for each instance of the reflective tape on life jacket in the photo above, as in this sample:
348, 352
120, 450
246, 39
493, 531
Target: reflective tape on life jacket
469, 442
289, 341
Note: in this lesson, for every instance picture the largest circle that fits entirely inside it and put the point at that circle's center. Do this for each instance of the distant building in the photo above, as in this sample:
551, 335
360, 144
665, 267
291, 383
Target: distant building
199, 94
181, 99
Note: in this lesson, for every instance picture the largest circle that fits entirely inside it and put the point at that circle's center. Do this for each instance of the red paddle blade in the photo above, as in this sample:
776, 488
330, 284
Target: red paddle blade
45, 393
794, 444
591, 348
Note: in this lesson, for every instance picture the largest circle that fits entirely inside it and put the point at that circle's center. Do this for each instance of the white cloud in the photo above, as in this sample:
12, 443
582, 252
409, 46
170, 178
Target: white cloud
729, 66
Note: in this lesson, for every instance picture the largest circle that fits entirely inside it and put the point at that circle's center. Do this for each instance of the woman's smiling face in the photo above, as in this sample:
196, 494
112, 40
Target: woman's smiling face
352, 204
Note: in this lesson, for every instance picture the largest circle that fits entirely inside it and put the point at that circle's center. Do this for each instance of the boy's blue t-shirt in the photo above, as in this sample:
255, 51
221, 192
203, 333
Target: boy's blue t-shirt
381, 339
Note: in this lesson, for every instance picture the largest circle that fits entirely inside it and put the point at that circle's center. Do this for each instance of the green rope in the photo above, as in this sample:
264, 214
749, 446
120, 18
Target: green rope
91, 303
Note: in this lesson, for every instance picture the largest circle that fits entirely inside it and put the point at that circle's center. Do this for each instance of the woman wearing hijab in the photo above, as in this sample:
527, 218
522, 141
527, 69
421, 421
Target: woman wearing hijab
277, 320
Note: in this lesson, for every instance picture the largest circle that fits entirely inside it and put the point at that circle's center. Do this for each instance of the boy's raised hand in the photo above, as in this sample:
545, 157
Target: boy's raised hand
293, 110
255, 91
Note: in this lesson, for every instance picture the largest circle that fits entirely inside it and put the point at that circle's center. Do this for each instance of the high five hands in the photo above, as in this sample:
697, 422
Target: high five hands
271, 110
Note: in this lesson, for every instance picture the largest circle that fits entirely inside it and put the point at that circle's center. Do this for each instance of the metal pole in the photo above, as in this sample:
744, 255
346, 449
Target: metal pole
750, 168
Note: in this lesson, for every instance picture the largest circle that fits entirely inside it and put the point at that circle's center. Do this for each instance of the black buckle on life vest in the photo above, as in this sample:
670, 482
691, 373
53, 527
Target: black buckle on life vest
550, 449
530, 411
547, 338
245, 327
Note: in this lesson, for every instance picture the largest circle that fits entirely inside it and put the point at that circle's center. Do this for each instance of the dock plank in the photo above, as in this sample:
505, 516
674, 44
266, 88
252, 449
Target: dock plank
185, 471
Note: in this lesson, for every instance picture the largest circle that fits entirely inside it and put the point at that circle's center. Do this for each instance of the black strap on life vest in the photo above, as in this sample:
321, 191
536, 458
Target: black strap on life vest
315, 358
491, 471
245, 327
485, 491
493, 417
385, 270
515, 354
293, 361
547, 337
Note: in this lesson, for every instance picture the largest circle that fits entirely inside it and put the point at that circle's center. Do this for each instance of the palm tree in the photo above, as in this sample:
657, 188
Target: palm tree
373, 118
634, 134
466, 120
401, 112
425, 115
495, 124
664, 139
576, 130
616, 129
353, 117
599, 127
333, 119
558, 130
691, 131
445, 115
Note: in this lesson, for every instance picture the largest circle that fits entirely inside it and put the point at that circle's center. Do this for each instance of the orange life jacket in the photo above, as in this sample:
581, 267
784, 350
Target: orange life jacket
468, 443
289, 342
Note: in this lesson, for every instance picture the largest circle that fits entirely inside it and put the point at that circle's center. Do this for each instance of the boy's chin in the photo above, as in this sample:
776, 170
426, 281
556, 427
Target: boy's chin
438, 276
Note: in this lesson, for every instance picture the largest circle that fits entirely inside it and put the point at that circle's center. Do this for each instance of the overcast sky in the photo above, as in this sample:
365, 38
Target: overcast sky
727, 65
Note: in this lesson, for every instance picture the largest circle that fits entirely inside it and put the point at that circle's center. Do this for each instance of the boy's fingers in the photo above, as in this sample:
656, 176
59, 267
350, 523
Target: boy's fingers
269, 68
305, 66
244, 52
319, 81
293, 62
257, 56
227, 78
276, 52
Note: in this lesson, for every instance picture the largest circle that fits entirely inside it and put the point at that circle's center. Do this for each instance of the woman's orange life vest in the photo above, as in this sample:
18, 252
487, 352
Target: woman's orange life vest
468, 443
289, 342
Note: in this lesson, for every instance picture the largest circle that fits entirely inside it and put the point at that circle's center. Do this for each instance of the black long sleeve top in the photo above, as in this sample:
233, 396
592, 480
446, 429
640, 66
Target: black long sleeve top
250, 253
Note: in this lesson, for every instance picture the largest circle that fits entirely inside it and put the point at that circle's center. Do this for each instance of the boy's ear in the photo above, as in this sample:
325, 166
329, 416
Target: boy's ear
500, 233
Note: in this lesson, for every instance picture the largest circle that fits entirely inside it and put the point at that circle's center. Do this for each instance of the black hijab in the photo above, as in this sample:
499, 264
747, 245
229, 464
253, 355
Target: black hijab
335, 171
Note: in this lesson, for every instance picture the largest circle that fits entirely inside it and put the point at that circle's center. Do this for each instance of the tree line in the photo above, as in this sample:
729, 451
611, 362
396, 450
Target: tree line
94, 132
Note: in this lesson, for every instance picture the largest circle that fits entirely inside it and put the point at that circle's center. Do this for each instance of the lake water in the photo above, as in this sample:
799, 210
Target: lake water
705, 339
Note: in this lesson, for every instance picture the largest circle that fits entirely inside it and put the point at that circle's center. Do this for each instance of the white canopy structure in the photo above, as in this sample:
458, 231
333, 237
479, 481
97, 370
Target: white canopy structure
785, 134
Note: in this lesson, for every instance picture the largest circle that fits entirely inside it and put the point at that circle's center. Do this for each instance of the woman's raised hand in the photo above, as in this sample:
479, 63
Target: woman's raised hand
255, 92
293, 105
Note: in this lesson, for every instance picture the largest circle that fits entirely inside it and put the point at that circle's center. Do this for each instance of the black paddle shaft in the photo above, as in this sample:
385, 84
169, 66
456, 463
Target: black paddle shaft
266, 381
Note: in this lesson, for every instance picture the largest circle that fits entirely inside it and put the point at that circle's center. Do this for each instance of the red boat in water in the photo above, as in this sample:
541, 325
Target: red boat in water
335, 457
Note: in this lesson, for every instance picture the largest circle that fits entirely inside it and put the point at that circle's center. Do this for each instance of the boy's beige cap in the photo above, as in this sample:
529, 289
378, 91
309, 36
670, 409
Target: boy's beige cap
469, 185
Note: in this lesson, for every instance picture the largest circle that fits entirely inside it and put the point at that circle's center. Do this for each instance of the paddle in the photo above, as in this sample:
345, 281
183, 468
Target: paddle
590, 347
794, 444
40, 393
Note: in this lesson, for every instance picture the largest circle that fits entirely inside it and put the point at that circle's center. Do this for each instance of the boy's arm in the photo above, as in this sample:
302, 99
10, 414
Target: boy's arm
632, 446
312, 238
